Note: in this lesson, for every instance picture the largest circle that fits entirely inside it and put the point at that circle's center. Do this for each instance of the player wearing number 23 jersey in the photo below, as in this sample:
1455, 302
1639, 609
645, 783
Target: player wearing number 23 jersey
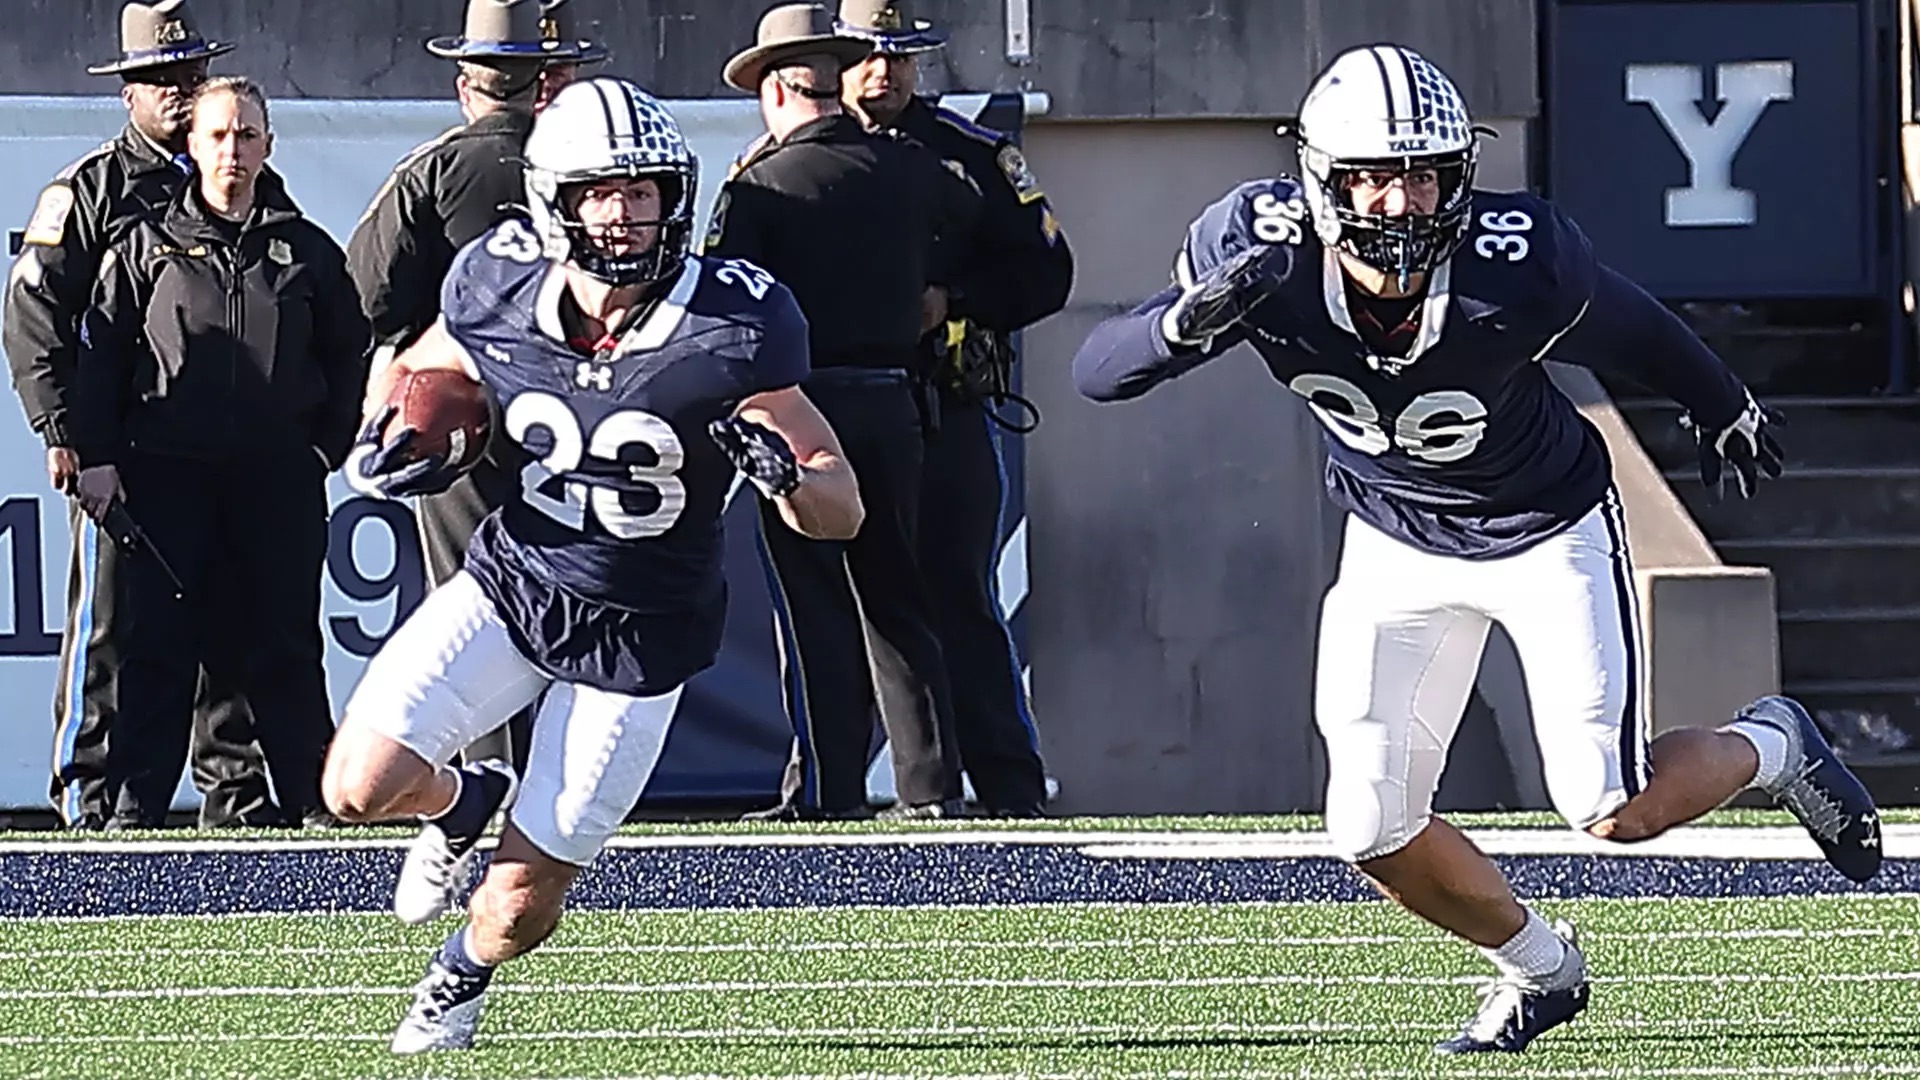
618, 438
1412, 313
640, 380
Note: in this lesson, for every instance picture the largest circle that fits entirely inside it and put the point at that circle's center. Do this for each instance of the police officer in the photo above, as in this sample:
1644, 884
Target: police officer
1013, 270
92, 203
219, 380
513, 56
850, 221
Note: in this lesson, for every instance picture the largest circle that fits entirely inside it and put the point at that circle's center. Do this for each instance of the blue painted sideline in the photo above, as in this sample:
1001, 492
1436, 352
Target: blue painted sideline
80, 882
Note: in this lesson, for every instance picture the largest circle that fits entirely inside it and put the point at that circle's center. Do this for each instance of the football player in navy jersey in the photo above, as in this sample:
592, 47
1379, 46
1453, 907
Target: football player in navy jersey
1411, 312
639, 378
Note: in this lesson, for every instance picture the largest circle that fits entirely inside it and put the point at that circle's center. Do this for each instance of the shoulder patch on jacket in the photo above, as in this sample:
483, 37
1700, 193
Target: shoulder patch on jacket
48, 226
1014, 164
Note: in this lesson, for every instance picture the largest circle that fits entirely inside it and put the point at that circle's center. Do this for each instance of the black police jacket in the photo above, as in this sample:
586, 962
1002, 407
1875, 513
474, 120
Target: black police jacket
1014, 268
856, 225
92, 203
438, 199
211, 339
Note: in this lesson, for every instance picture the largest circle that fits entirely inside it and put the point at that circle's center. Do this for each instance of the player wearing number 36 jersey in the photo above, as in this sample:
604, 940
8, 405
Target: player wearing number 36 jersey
1411, 314
639, 379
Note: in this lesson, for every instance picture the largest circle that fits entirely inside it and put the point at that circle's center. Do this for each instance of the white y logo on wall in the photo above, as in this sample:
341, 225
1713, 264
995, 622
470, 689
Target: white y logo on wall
1744, 89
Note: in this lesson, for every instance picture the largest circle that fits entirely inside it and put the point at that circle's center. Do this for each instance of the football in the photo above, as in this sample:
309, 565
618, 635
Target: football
449, 410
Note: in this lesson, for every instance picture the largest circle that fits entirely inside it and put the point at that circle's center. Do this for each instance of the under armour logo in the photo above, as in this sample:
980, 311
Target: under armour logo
497, 354
598, 376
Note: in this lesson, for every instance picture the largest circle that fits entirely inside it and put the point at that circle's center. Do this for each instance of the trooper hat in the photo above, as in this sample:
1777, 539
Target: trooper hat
556, 25
157, 34
506, 30
789, 32
888, 25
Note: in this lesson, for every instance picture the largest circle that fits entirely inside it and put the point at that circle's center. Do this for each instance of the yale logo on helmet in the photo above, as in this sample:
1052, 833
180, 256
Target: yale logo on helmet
1407, 146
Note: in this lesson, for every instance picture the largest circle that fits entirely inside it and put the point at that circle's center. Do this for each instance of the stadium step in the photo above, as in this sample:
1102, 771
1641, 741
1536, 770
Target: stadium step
1820, 572
1881, 643
1816, 432
1812, 502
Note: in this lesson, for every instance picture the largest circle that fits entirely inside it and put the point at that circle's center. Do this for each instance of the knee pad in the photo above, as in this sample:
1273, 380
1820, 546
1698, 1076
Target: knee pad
1584, 781
1369, 819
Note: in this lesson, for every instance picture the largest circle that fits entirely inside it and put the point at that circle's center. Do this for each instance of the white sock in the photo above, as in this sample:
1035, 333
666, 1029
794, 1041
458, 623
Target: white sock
1771, 744
1531, 956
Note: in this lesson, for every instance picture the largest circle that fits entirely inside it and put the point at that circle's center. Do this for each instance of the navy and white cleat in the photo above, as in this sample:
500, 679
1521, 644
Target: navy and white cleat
440, 860
1513, 1014
1821, 791
444, 1015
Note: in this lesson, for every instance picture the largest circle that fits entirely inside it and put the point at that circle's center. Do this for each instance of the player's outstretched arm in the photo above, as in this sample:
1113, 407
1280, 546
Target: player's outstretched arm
1128, 355
796, 461
1624, 331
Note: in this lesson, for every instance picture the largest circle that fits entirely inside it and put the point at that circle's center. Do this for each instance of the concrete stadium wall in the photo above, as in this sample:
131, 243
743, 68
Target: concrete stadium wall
1098, 58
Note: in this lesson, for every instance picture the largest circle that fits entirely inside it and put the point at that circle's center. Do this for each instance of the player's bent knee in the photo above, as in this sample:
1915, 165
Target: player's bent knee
1367, 820
366, 773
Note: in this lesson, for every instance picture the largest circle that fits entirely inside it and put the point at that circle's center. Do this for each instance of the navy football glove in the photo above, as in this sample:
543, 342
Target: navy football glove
761, 455
384, 469
1221, 297
1747, 445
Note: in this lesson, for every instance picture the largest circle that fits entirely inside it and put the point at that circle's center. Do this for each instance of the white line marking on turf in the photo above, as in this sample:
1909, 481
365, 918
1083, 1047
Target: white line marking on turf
961, 945
1047, 907
748, 986
1902, 841
1774, 1024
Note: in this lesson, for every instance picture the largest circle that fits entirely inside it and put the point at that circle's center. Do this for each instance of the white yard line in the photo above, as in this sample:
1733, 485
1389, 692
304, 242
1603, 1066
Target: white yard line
961, 945
750, 986
1702, 842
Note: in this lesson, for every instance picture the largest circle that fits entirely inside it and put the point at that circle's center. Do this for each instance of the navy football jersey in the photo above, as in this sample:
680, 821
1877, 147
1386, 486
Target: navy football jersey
1462, 445
606, 566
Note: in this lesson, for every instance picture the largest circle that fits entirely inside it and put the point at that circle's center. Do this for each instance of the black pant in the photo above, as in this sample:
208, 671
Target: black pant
228, 768
958, 549
447, 522
247, 539
853, 615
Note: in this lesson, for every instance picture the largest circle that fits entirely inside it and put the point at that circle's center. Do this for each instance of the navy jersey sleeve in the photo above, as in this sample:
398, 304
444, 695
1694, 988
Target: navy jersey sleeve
1128, 355
1620, 330
1525, 254
782, 360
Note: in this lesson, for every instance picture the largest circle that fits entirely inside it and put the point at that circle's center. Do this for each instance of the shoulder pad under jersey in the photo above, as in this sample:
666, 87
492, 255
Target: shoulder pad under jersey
1267, 211
1526, 256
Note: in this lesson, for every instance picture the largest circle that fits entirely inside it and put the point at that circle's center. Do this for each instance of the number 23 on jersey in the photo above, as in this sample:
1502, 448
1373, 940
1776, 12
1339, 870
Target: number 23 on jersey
572, 446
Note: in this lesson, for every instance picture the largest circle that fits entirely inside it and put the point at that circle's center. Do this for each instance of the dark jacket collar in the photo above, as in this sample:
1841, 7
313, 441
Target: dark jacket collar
827, 129
189, 218
145, 155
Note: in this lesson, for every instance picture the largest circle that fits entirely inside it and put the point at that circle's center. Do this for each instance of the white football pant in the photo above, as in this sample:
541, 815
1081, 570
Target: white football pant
451, 674
1401, 633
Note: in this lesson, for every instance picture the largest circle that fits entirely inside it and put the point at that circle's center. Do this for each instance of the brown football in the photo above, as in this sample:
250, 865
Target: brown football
448, 409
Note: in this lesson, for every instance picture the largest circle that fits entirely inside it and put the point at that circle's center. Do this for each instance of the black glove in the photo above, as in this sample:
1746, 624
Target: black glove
761, 456
384, 469
1747, 444
1222, 297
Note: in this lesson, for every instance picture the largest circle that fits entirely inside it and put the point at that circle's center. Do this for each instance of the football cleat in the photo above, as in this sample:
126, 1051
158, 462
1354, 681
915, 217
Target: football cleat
439, 864
445, 1012
1513, 1014
1821, 791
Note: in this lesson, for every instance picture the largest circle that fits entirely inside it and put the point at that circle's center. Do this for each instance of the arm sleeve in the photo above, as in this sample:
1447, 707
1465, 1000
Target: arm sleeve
783, 358
1623, 331
958, 213
396, 257
1127, 355
48, 287
110, 340
1021, 269
341, 348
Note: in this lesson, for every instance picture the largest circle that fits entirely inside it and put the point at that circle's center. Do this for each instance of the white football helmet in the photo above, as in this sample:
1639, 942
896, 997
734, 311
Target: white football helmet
1386, 107
602, 128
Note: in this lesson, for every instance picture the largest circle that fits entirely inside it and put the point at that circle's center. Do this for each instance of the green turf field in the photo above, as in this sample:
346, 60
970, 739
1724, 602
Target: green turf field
1696, 988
